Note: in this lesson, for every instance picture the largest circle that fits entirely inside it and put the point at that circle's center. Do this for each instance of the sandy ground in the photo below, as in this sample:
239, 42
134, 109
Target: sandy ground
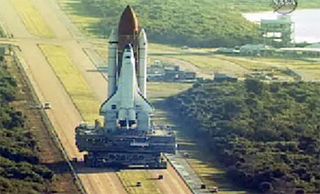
64, 115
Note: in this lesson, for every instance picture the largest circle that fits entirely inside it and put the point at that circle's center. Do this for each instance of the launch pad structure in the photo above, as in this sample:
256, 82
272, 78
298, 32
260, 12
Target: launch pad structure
128, 137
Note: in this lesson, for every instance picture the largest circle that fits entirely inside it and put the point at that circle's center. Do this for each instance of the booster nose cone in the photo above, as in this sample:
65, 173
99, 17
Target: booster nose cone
128, 24
113, 38
143, 38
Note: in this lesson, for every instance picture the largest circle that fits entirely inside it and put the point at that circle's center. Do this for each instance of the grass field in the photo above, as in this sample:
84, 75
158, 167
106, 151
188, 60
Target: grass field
130, 178
212, 64
73, 81
87, 22
307, 68
32, 19
159, 91
212, 176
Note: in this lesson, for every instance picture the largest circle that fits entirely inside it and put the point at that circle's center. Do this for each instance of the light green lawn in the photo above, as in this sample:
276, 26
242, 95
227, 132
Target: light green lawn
80, 16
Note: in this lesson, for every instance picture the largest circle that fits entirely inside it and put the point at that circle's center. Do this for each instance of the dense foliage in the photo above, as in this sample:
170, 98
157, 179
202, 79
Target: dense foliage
20, 171
202, 23
268, 135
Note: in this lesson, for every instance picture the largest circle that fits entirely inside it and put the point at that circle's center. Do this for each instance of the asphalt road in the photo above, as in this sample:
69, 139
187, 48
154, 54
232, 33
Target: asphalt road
64, 114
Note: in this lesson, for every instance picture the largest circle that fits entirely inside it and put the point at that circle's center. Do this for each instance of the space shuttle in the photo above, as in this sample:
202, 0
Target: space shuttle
127, 106
127, 137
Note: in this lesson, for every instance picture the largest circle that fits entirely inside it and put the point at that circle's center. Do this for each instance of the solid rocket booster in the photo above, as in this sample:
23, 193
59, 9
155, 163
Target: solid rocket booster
112, 61
142, 76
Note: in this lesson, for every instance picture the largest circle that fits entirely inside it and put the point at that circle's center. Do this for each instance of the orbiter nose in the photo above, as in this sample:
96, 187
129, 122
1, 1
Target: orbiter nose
128, 47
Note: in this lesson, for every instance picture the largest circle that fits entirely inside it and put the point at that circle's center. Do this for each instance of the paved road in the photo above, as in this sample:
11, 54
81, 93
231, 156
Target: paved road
64, 115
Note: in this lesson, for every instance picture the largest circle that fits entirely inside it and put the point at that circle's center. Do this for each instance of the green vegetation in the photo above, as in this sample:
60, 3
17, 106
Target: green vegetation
200, 23
160, 91
20, 170
81, 17
267, 135
203, 23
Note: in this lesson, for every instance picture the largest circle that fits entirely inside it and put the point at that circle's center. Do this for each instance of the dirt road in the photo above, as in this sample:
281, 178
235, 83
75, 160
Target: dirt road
64, 114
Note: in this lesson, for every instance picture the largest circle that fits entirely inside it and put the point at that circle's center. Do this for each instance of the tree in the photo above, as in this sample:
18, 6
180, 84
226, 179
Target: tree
265, 187
254, 86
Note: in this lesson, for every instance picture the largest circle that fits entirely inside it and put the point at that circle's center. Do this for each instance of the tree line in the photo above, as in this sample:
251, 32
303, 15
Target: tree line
200, 23
20, 169
267, 135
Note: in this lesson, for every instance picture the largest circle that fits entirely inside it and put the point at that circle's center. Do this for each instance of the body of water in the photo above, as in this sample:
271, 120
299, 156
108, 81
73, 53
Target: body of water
307, 23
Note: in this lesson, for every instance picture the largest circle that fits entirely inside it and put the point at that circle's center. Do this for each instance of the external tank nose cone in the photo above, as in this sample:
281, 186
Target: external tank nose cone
128, 24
